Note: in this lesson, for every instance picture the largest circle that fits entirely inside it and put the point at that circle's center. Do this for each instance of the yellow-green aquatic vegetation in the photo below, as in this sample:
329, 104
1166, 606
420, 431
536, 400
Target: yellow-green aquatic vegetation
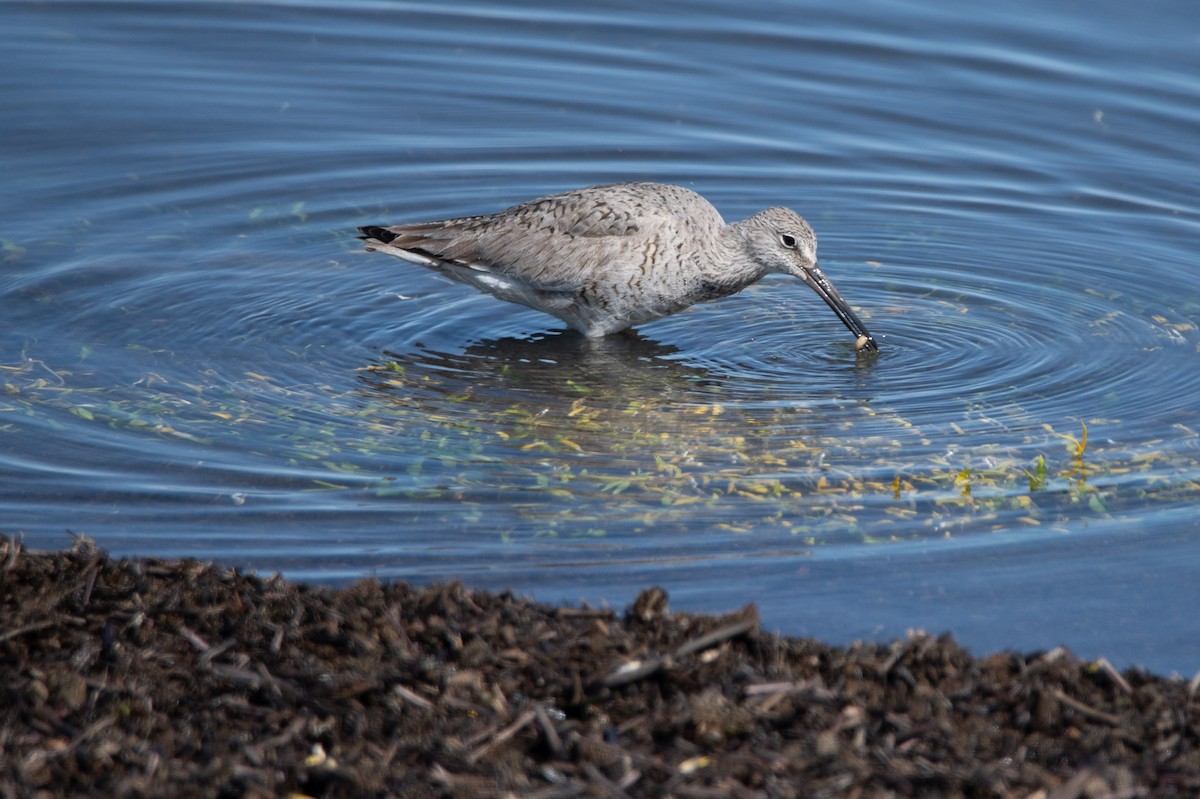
1037, 478
603, 453
1077, 447
962, 481
1080, 444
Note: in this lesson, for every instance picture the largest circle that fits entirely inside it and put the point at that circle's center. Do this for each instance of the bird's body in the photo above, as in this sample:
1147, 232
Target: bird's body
605, 258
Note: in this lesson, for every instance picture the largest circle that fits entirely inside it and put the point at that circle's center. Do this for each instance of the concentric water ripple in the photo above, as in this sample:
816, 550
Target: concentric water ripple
950, 334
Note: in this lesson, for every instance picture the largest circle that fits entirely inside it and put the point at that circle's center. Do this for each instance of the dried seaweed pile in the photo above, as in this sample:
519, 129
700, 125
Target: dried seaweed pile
177, 678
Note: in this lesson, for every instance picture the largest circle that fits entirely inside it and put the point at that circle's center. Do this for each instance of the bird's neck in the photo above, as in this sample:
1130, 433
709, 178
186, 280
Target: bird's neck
733, 268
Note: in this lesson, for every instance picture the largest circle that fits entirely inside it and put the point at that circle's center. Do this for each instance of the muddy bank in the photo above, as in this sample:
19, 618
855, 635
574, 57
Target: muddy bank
152, 678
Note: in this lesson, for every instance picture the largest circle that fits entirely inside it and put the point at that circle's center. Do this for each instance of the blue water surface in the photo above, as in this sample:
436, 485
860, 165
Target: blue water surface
198, 359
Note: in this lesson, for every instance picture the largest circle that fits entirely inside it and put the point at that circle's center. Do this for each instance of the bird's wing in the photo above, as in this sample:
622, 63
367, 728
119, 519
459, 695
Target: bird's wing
551, 244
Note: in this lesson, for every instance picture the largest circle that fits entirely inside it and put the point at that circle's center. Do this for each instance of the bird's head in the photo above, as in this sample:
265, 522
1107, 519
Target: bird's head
781, 242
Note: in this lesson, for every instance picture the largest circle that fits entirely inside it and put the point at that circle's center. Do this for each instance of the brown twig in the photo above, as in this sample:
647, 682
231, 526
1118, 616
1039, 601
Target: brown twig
717, 636
1090, 712
503, 735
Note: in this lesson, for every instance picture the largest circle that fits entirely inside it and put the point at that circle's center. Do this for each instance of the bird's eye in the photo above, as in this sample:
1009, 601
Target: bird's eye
787, 241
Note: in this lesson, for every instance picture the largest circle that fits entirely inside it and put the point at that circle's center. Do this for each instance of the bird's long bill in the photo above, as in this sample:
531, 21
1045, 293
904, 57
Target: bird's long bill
816, 279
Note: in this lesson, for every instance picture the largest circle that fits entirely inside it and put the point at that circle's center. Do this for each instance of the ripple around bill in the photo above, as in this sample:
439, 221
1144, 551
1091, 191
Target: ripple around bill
952, 336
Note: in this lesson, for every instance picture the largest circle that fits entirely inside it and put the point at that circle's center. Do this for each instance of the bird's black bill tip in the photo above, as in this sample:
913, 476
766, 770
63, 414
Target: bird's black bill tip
866, 343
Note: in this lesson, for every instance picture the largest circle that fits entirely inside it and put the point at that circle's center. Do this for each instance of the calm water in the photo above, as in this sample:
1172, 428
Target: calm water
196, 358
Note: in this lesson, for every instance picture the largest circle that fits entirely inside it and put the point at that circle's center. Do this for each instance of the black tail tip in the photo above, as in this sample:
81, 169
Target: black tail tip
377, 233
